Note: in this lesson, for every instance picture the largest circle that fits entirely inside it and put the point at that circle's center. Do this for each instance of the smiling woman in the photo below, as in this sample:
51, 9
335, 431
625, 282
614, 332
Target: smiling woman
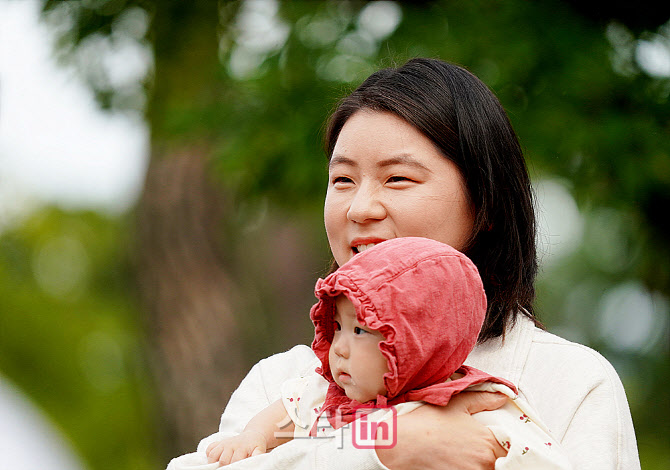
387, 180
426, 150
475, 194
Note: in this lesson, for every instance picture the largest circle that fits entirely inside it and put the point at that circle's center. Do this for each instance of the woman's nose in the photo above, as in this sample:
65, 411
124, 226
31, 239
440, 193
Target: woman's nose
366, 205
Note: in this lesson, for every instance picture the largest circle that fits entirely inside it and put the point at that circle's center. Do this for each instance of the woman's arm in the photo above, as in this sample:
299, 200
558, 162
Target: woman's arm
446, 437
579, 395
600, 433
528, 442
452, 436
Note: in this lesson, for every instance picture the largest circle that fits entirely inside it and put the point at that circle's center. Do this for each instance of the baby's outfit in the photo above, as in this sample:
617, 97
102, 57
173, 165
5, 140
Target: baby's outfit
515, 425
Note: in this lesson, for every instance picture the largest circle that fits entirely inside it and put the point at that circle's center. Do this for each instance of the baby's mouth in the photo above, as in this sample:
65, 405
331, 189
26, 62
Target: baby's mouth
345, 378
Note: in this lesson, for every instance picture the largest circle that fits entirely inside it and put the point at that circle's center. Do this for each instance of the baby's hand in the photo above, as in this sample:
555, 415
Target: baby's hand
232, 449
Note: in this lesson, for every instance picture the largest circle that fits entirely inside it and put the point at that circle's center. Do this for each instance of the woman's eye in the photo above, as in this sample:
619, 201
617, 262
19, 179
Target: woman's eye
398, 179
359, 331
341, 180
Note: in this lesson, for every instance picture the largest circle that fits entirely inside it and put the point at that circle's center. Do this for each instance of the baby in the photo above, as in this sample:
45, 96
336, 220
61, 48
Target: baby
393, 327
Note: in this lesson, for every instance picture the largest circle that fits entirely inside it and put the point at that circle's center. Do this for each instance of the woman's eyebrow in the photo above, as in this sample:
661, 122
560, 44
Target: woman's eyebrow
403, 159
341, 160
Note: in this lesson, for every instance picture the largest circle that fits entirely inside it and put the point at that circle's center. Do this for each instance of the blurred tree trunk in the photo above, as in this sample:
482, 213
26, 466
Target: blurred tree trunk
195, 346
187, 293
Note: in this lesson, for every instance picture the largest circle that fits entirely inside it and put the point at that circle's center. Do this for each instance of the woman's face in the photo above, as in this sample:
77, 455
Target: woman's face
388, 180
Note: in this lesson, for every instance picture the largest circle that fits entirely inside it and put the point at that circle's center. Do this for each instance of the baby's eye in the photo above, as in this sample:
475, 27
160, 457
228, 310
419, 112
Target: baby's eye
359, 330
336, 326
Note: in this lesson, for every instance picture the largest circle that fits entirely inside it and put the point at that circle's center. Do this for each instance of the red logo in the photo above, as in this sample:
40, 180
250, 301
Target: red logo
369, 433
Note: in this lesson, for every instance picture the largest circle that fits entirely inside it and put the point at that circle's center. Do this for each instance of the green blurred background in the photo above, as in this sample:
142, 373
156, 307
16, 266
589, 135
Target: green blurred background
130, 328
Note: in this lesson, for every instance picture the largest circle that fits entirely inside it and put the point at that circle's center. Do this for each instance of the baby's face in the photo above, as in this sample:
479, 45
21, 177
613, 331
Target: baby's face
356, 362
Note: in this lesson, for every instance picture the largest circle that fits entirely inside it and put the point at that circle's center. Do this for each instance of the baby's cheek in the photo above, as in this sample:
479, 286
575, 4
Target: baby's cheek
381, 388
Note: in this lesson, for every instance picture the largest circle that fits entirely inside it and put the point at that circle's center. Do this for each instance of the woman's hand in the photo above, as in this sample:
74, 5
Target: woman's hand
446, 437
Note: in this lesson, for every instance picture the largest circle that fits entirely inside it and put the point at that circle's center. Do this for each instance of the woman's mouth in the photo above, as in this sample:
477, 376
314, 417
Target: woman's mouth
362, 248
360, 245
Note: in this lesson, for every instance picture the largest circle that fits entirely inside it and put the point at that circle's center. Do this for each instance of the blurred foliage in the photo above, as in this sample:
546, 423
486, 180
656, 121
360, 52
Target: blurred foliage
70, 333
255, 81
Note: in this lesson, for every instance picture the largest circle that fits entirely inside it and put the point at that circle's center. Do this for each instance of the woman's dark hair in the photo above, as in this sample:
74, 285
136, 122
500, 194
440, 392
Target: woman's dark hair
465, 120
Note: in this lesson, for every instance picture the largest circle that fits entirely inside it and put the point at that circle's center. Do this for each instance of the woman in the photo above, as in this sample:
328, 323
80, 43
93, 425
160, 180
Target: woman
426, 150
